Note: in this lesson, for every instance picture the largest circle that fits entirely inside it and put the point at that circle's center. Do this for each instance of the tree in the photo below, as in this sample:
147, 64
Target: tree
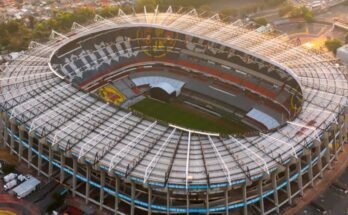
333, 44
261, 21
150, 5
307, 14
228, 12
108, 12
286, 9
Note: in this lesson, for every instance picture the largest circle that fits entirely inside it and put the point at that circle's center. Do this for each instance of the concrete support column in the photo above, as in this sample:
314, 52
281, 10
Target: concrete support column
20, 146
74, 176
6, 125
149, 201
207, 201
30, 149
288, 186
102, 184
39, 158
50, 162
334, 142
299, 178
275, 194
319, 162
346, 123
310, 167
62, 165
245, 199
117, 190
187, 201
168, 201
226, 201
260, 188
13, 129
341, 129
133, 197
88, 176
6, 136
327, 153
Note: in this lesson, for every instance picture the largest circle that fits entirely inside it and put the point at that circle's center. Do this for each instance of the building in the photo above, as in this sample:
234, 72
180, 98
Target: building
127, 164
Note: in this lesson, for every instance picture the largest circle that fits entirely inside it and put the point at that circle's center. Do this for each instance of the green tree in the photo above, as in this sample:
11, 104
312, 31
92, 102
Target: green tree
228, 12
14, 35
150, 5
261, 21
333, 44
307, 14
108, 12
286, 9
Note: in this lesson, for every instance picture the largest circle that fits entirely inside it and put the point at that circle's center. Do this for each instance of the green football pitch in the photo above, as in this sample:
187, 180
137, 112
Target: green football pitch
187, 117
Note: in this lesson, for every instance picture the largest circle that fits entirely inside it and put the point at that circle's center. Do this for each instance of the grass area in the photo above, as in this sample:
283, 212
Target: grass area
188, 117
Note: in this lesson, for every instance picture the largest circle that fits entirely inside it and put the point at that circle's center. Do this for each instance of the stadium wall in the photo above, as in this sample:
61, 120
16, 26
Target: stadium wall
120, 194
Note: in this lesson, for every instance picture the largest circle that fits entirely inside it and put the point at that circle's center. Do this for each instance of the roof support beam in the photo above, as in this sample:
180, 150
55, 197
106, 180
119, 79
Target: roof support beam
188, 158
262, 163
93, 141
125, 150
155, 159
221, 160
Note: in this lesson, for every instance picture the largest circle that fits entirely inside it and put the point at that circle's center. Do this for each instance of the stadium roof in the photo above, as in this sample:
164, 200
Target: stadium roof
120, 142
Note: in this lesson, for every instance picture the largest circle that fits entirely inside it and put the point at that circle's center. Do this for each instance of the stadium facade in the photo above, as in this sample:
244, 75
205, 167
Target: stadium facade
129, 164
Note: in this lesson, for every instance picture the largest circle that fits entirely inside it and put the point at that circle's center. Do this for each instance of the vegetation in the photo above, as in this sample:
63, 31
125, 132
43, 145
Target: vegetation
166, 3
15, 35
261, 21
250, 8
333, 44
291, 11
346, 39
184, 116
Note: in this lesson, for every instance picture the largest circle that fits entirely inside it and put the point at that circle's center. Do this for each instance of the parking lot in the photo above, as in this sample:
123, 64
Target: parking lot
334, 201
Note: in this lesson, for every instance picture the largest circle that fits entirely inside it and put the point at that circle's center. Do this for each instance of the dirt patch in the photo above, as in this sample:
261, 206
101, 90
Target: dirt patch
6, 156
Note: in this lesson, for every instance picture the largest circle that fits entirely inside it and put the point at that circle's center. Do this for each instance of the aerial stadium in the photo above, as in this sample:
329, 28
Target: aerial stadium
78, 110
